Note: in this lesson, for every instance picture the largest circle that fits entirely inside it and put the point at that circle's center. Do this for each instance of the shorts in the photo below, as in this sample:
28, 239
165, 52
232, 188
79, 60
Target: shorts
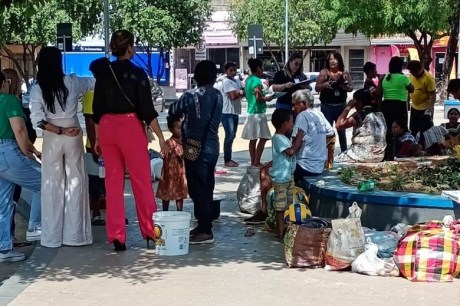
256, 127
284, 193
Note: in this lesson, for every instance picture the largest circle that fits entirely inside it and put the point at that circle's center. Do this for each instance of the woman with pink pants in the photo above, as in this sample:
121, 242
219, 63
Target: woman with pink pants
122, 102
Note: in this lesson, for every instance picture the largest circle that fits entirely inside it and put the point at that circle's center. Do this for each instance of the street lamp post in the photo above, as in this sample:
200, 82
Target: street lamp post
106, 27
286, 29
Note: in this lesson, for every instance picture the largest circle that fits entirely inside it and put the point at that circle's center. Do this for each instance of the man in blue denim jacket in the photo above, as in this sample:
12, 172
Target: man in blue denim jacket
202, 110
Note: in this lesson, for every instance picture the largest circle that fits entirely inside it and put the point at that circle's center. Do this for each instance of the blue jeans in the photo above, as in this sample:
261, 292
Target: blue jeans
332, 113
17, 169
230, 124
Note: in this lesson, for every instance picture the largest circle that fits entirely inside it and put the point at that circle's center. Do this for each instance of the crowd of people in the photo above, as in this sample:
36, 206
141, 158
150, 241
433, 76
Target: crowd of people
119, 113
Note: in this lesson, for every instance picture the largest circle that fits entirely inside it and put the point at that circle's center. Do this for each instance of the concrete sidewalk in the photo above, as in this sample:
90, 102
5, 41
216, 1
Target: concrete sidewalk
235, 270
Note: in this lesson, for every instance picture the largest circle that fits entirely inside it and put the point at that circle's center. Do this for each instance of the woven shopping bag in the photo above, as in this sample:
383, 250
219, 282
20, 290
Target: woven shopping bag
304, 246
429, 252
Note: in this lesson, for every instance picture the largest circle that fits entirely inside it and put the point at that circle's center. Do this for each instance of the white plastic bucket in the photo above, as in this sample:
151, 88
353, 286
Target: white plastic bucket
172, 232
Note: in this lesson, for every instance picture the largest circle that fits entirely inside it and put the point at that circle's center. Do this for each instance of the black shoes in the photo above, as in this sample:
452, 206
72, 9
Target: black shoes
118, 246
258, 218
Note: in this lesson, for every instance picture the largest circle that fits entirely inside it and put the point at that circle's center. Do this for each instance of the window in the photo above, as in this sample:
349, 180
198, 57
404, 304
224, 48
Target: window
355, 64
318, 59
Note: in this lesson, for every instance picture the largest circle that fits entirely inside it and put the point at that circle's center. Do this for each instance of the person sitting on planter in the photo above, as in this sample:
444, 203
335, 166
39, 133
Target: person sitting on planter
311, 130
403, 139
453, 126
368, 141
430, 137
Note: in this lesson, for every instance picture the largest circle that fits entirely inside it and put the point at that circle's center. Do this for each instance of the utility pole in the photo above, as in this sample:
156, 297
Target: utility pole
106, 27
286, 22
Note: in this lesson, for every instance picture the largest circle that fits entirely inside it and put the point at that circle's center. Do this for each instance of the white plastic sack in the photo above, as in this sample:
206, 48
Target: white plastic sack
346, 240
248, 193
368, 263
156, 165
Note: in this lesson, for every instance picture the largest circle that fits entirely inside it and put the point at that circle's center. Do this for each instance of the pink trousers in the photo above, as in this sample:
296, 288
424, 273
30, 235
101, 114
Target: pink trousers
123, 142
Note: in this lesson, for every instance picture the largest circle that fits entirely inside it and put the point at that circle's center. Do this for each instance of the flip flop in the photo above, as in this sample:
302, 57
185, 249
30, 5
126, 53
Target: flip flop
250, 232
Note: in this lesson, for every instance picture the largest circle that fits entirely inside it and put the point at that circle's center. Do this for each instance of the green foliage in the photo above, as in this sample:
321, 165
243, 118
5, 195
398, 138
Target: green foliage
423, 21
347, 175
309, 23
162, 23
31, 30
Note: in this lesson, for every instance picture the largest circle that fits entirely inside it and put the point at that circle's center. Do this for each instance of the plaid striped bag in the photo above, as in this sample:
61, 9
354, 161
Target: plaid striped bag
429, 253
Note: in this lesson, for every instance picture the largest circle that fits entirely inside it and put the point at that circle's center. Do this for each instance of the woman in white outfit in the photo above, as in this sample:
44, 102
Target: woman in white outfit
65, 202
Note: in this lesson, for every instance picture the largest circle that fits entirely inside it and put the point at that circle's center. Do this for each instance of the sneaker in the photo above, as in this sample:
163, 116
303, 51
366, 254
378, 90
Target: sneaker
258, 218
34, 235
194, 232
202, 238
11, 256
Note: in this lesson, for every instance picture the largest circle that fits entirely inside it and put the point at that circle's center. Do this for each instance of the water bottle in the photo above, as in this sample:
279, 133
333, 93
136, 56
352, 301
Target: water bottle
367, 185
100, 164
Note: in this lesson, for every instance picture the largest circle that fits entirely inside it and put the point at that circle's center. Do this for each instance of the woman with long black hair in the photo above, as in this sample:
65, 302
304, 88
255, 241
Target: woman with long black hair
65, 202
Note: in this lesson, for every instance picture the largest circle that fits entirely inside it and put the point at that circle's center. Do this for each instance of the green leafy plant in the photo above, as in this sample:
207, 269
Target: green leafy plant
347, 175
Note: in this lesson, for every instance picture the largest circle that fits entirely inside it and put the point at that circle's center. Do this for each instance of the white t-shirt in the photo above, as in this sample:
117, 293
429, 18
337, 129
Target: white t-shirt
76, 86
313, 152
231, 106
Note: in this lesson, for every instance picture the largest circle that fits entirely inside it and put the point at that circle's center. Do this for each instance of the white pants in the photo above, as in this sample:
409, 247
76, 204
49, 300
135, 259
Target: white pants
65, 199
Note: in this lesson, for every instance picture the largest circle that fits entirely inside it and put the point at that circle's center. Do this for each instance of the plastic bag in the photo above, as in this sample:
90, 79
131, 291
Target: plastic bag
387, 241
368, 263
156, 166
248, 193
346, 241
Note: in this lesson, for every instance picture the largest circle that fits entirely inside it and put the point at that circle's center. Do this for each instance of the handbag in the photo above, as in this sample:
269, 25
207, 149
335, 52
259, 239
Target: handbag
147, 128
192, 146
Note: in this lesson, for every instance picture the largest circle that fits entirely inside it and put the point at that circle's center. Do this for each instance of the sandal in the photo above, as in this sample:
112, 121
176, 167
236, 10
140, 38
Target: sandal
231, 164
20, 244
250, 232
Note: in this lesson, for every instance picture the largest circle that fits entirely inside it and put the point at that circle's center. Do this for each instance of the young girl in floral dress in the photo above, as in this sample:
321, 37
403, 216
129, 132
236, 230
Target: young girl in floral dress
173, 184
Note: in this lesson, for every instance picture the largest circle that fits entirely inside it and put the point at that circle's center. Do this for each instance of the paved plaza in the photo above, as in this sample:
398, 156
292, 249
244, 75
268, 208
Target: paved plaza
235, 270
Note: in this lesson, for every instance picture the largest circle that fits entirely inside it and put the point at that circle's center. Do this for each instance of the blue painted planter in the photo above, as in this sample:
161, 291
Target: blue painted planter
381, 209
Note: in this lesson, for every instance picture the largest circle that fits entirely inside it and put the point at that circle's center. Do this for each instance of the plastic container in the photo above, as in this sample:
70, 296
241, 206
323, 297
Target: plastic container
172, 232
448, 104
367, 185
101, 168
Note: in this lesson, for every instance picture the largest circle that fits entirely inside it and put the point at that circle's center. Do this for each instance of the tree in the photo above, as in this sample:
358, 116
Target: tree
34, 30
164, 24
450, 50
423, 21
309, 23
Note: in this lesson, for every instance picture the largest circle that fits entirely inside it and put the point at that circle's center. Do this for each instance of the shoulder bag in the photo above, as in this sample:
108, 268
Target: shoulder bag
147, 128
192, 147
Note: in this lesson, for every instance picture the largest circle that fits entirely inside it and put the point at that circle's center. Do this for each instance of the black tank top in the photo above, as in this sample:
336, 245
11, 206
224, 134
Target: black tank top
334, 95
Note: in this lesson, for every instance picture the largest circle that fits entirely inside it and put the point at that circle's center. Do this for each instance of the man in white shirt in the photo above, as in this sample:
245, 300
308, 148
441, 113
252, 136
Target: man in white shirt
311, 128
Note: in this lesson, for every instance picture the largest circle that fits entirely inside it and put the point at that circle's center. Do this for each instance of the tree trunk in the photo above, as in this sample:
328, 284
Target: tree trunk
161, 65
149, 61
450, 54
423, 46
34, 63
24, 61
273, 55
9, 54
